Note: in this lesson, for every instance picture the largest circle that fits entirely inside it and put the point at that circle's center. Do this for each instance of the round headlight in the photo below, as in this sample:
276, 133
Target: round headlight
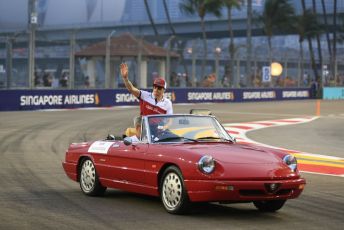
206, 164
291, 161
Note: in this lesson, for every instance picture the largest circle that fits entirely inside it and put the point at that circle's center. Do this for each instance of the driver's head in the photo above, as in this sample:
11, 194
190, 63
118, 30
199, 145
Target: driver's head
159, 87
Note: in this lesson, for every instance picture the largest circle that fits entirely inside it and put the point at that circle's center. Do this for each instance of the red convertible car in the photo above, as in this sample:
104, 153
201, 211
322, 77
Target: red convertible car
184, 159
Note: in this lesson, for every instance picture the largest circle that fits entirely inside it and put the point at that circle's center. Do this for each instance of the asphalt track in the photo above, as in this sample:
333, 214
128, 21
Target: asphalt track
36, 194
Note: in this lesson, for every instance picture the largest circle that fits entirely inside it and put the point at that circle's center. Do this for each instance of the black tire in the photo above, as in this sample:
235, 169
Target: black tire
172, 191
269, 206
88, 179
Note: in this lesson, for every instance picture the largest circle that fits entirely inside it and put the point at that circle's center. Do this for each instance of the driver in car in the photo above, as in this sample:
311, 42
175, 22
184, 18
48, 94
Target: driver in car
150, 102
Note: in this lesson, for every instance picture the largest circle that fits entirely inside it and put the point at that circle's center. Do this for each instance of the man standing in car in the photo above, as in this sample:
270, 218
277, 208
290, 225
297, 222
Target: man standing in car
150, 102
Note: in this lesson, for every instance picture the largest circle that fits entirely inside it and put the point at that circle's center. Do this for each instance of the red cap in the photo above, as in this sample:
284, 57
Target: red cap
160, 82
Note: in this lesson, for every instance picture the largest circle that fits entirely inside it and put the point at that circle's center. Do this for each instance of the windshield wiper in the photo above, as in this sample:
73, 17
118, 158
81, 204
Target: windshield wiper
212, 138
175, 138
201, 138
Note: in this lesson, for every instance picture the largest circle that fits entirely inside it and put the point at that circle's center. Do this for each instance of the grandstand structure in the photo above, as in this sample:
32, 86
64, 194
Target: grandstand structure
39, 40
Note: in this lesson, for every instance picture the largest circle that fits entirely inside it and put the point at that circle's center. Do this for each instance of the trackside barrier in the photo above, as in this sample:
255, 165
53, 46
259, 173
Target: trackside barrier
333, 93
14, 100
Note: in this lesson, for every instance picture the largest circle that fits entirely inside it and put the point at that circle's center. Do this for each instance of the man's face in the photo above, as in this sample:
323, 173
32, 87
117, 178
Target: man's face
158, 91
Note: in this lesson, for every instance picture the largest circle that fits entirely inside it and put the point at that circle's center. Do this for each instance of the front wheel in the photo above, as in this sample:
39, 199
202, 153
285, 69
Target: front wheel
89, 181
269, 206
172, 191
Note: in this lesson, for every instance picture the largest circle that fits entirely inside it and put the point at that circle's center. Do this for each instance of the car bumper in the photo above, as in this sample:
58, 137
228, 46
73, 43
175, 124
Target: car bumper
71, 170
241, 191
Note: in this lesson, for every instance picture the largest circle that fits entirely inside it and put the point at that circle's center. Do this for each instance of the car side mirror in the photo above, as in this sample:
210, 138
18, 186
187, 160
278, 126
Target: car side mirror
127, 141
110, 137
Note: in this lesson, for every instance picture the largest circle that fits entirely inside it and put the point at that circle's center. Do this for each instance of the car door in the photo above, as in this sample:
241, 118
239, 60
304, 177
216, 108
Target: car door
126, 163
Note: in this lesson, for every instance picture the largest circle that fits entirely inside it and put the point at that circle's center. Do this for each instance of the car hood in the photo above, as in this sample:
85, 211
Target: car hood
234, 153
238, 161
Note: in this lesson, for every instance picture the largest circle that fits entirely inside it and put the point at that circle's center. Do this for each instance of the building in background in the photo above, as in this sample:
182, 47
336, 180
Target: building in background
102, 16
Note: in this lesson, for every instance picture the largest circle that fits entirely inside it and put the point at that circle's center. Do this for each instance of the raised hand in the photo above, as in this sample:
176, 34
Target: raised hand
124, 70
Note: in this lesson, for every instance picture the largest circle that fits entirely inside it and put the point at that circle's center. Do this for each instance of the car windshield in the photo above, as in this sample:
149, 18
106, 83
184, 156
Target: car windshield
186, 128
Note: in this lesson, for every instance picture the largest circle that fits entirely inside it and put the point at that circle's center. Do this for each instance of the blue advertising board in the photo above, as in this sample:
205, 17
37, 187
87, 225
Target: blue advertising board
14, 100
333, 93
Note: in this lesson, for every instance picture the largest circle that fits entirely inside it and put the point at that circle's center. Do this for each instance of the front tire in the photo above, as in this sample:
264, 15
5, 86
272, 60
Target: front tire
172, 191
269, 206
89, 181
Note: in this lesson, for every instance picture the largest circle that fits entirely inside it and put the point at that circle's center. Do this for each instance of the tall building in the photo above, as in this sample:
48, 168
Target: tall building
134, 11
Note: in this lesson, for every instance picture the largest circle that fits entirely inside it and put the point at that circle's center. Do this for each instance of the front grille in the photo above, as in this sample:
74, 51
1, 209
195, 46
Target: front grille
253, 192
284, 192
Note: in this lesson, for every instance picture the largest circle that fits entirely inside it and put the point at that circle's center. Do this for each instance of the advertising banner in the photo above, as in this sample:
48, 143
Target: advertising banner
333, 93
14, 100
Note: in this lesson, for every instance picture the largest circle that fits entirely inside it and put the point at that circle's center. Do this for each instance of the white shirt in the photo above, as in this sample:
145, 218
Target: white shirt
149, 104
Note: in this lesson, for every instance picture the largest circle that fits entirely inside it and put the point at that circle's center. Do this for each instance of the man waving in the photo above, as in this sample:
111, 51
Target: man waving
150, 102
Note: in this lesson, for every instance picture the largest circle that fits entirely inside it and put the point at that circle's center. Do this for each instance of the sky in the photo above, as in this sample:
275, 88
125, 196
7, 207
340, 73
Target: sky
14, 13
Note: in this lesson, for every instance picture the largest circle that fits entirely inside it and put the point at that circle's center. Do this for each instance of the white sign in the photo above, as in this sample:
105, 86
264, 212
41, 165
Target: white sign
100, 147
295, 94
259, 95
266, 74
34, 18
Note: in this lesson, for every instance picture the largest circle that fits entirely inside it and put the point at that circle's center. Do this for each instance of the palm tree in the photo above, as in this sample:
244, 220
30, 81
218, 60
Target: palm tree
311, 52
168, 18
334, 53
341, 29
326, 27
317, 36
306, 25
230, 5
151, 18
249, 41
276, 14
173, 31
202, 7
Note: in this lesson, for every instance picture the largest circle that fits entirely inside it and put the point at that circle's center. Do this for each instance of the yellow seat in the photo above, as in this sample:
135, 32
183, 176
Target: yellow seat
130, 132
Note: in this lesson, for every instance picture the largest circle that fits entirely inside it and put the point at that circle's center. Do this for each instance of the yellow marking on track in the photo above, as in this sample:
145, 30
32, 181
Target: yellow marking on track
205, 133
201, 133
320, 163
181, 132
318, 158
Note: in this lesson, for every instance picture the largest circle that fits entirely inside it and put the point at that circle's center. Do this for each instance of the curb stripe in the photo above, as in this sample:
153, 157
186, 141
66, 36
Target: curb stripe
321, 169
308, 162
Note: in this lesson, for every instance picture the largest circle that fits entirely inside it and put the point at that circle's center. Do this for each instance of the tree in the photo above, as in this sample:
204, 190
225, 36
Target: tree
249, 41
201, 8
311, 51
326, 27
306, 25
341, 29
277, 14
173, 31
151, 18
334, 51
230, 5
317, 35
340, 37
169, 18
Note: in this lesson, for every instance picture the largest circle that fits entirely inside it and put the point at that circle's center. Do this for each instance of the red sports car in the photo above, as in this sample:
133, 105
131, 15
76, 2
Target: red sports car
183, 159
